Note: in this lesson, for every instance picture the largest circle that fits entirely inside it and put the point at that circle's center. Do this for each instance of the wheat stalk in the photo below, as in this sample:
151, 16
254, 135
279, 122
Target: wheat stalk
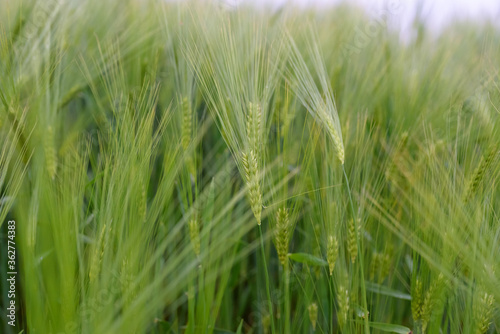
143, 203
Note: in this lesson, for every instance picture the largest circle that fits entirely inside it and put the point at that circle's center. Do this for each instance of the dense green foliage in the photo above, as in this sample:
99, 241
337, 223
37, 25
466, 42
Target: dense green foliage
197, 168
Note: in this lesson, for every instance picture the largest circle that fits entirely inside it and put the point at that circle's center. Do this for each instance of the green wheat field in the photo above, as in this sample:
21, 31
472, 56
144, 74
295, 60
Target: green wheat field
197, 167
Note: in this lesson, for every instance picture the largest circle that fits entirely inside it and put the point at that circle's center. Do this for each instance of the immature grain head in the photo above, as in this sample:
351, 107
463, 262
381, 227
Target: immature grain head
328, 121
313, 314
254, 128
194, 235
50, 152
266, 323
352, 241
397, 159
385, 266
251, 158
479, 173
187, 123
251, 168
483, 312
97, 255
380, 266
430, 300
416, 300
282, 234
343, 301
332, 252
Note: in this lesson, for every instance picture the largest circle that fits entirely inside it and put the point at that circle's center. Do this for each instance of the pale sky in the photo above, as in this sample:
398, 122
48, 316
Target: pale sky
436, 13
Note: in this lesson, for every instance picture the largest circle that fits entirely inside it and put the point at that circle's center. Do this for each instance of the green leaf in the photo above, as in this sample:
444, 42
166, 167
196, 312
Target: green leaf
383, 290
240, 328
390, 328
307, 259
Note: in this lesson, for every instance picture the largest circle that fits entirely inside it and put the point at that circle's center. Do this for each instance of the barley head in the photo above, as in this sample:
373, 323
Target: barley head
97, 255
397, 158
187, 123
332, 131
352, 241
282, 234
251, 169
313, 314
266, 323
125, 283
483, 312
385, 266
50, 152
332, 252
479, 173
194, 235
416, 300
343, 310
254, 117
430, 300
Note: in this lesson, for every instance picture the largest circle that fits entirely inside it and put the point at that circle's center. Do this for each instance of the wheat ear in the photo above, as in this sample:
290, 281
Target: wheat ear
332, 252
430, 300
194, 235
416, 300
50, 152
251, 169
250, 159
282, 234
343, 301
352, 241
483, 312
187, 123
479, 173
332, 131
313, 314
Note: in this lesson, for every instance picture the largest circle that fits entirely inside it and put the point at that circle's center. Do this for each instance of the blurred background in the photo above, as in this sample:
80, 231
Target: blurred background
436, 14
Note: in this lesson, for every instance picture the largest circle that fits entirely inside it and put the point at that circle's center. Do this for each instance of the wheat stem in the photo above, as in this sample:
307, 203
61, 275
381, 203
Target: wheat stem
268, 289
361, 264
